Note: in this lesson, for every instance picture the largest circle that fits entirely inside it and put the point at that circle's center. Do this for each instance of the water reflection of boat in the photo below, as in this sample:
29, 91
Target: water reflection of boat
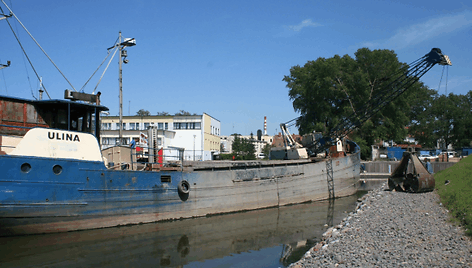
177, 243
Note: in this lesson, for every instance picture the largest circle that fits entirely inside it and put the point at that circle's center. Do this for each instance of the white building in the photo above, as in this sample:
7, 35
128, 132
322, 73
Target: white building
198, 135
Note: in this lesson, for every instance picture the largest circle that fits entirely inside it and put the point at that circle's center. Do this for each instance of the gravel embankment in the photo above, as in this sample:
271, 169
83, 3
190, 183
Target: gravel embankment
393, 229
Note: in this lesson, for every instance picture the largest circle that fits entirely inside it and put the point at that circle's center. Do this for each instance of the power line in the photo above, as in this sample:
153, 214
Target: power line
38, 46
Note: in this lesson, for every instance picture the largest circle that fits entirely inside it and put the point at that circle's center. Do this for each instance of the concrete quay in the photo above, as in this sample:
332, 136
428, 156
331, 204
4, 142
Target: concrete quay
377, 172
372, 181
393, 229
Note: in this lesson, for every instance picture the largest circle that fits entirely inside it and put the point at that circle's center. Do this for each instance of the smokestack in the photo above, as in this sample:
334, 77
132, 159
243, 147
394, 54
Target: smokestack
265, 125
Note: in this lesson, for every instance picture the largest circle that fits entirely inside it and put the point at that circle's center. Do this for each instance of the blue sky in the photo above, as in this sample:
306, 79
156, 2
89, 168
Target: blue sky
223, 58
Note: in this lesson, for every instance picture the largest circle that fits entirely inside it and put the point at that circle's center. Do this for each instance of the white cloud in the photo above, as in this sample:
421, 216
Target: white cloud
424, 31
291, 30
303, 24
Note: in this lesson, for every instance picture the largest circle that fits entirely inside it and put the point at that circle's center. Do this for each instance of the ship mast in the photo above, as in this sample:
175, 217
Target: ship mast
120, 71
127, 42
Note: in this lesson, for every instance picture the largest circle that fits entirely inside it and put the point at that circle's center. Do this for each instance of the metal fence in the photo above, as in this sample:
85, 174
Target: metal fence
163, 157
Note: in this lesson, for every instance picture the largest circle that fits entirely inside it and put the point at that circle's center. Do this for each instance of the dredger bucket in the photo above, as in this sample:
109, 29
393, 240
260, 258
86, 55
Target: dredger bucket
420, 180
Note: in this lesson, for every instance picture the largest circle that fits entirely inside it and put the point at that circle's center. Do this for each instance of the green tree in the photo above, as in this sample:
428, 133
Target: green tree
327, 91
182, 112
266, 150
444, 113
162, 113
444, 118
143, 112
243, 149
422, 119
463, 126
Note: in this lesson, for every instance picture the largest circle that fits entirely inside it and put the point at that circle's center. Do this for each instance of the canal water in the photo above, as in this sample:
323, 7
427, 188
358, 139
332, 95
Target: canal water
273, 237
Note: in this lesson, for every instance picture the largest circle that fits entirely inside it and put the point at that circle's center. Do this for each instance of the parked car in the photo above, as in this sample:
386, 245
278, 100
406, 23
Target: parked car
423, 157
261, 156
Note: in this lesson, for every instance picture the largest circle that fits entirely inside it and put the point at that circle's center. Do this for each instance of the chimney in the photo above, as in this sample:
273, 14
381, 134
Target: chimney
265, 125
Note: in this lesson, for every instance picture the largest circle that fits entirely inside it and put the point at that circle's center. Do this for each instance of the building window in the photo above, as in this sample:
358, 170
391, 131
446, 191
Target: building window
124, 141
160, 125
137, 126
108, 141
192, 125
146, 126
132, 126
166, 125
117, 125
106, 126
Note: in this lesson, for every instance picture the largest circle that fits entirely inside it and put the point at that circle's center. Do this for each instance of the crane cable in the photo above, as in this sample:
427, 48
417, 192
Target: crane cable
23, 49
38, 46
106, 68
82, 89
442, 74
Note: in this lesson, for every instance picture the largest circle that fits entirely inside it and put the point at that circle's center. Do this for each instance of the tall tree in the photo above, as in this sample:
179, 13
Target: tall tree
327, 91
463, 127
422, 125
444, 118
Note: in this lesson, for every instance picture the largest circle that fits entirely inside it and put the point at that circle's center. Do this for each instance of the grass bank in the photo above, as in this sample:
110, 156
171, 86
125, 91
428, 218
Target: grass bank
454, 186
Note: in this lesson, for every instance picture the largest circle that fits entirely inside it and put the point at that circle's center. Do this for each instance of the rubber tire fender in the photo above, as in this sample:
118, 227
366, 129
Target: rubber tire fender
183, 187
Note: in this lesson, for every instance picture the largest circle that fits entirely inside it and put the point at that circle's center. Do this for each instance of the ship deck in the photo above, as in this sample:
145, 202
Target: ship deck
242, 164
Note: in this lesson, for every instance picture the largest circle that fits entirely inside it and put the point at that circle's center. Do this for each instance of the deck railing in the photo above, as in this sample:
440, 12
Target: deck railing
161, 157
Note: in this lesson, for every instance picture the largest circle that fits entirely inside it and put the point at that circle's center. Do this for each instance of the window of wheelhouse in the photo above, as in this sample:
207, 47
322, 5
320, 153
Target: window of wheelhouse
85, 122
69, 117
82, 121
56, 118
61, 119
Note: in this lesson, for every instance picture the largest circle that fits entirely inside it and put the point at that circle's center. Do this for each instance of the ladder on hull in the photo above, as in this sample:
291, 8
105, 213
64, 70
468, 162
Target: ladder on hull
329, 174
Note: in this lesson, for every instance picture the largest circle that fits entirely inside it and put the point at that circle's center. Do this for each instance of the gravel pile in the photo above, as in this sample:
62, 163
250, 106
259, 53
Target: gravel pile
393, 229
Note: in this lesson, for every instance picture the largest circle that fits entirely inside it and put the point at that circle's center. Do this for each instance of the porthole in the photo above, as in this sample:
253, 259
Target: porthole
25, 168
57, 169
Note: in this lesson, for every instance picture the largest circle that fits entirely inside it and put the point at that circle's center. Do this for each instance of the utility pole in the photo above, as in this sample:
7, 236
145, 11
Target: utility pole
120, 63
127, 42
